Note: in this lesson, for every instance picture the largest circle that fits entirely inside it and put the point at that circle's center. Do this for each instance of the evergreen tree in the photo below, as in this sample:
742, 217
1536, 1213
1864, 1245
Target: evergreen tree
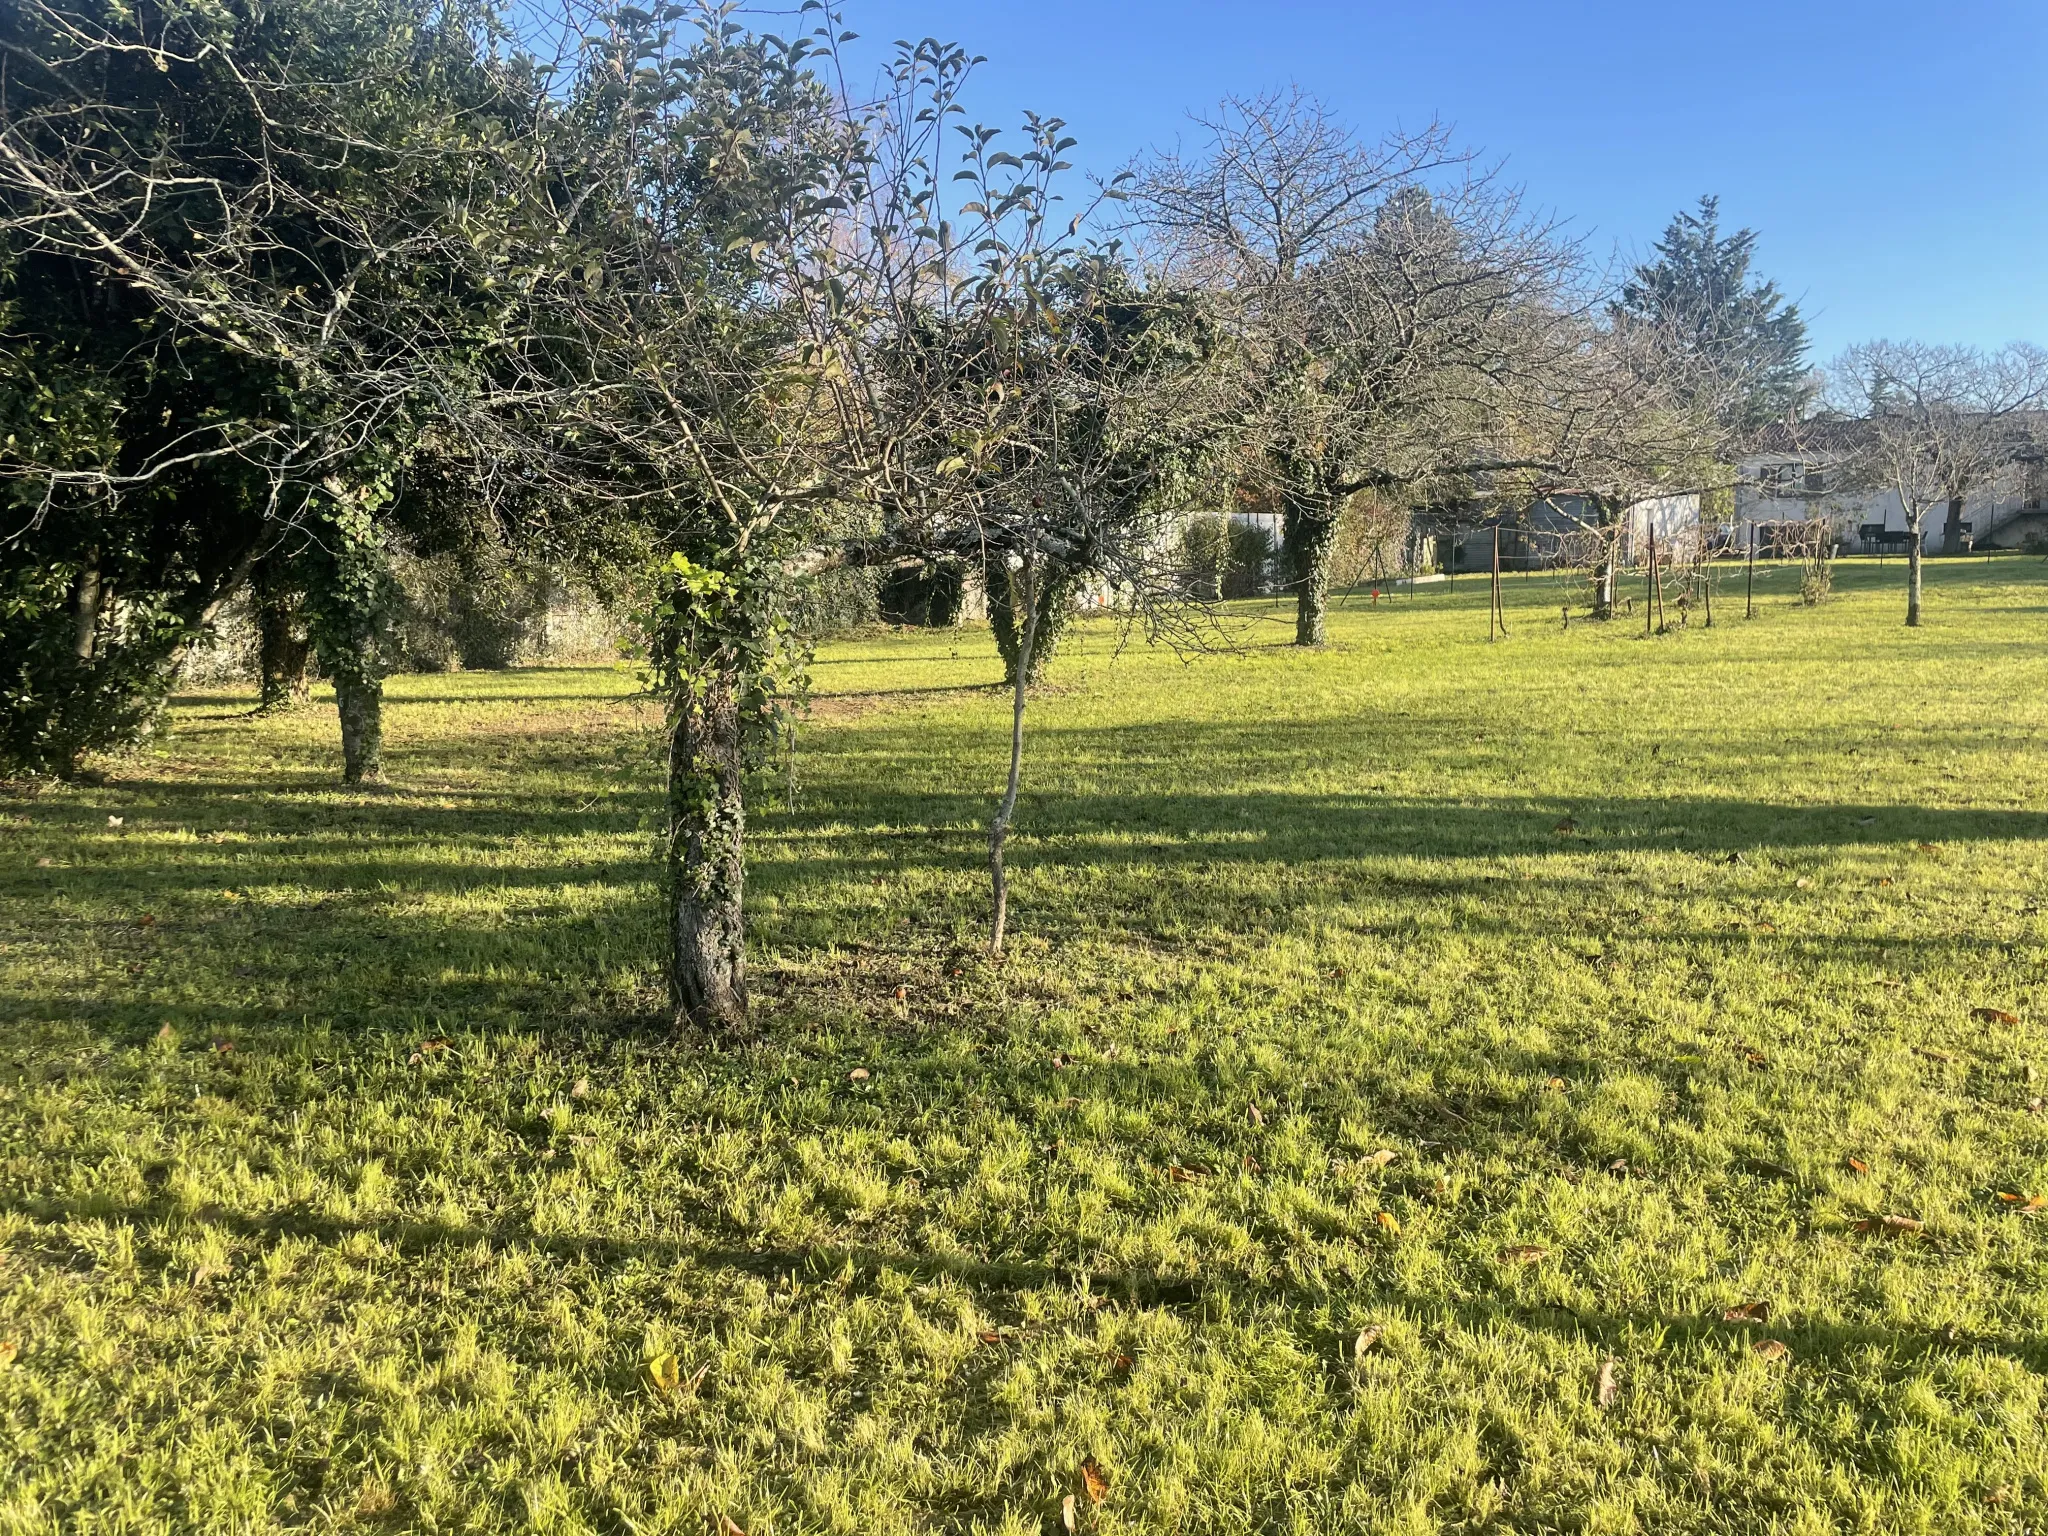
1744, 337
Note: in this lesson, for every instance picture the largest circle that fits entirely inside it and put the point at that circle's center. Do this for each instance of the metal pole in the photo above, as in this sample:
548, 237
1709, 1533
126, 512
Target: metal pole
1650, 579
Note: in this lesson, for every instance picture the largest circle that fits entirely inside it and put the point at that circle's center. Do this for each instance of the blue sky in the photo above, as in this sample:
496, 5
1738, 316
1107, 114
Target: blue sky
1893, 156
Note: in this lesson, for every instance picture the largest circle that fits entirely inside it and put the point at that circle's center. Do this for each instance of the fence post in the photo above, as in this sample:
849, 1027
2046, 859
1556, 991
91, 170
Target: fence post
1749, 596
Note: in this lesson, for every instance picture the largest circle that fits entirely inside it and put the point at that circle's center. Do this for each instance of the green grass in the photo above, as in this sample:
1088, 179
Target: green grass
274, 1257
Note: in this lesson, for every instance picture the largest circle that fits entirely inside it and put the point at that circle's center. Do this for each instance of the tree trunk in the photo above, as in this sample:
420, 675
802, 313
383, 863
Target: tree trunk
706, 872
1913, 577
281, 652
999, 829
85, 602
1604, 563
359, 700
1952, 530
1308, 537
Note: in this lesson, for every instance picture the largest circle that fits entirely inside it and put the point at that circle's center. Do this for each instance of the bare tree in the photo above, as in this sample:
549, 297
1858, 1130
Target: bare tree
1394, 307
1941, 421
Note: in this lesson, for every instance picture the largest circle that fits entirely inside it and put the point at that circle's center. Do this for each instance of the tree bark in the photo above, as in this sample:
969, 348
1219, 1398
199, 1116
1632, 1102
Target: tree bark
281, 652
1913, 577
85, 600
1604, 564
359, 700
706, 871
999, 829
1308, 536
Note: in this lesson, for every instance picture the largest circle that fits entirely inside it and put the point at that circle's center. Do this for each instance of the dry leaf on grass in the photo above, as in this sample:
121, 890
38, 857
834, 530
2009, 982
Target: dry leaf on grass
989, 1336
1177, 1173
1252, 1114
1381, 1158
1856, 1165
2024, 1202
580, 1089
1094, 1480
1608, 1387
1994, 1016
1890, 1224
665, 1373
1772, 1349
10, 1351
727, 1526
1363, 1345
1121, 1363
1069, 1521
1523, 1253
857, 1075
1748, 1312
1388, 1223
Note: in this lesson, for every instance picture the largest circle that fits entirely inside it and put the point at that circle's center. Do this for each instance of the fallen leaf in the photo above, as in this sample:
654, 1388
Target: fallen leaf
665, 1373
1388, 1224
901, 993
1856, 1165
1885, 880
1093, 1480
1060, 1060
1766, 927
1756, 1058
1251, 1113
1553, 1084
164, 1033
1606, 1389
1772, 1349
1381, 1158
989, 1336
10, 1350
46, 863
1889, 1224
857, 1075
2025, 1202
147, 920
1994, 1016
1364, 1343
2034, 1105
1121, 1363
1523, 1253
1176, 1174
1802, 884
1067, 1517
1748, 1312
224, 1046
434, 1046
1929, 847
1567, 825
114, 821
1619, 1168
727, 1526
580, 1089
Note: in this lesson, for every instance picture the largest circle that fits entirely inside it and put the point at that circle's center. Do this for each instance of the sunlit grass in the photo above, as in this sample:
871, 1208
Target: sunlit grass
347, 1180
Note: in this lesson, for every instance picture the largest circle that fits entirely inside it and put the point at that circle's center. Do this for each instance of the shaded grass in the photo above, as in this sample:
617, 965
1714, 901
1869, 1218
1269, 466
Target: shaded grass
346, 1181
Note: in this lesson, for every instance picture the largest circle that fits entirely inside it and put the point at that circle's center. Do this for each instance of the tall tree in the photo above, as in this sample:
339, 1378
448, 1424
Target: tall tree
1732, 328
1393, 307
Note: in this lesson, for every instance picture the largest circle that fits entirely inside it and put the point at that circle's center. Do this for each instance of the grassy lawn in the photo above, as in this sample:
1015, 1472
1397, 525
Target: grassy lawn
1411, 1055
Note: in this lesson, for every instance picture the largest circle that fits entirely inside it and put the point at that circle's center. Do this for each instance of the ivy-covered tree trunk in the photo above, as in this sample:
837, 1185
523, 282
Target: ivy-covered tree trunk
1055, 605
348, 597
706, 872
1308, 539
282, 648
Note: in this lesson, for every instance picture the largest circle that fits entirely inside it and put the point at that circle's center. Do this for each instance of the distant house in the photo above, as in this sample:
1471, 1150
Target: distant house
1798, 475
1553, 531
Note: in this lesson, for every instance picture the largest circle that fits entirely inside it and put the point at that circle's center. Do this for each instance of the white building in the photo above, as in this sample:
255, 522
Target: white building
1793, 481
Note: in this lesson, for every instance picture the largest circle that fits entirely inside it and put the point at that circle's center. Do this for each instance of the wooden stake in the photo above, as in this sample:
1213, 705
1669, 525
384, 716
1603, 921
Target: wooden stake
1493, 617
1650, 581
1749, 598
